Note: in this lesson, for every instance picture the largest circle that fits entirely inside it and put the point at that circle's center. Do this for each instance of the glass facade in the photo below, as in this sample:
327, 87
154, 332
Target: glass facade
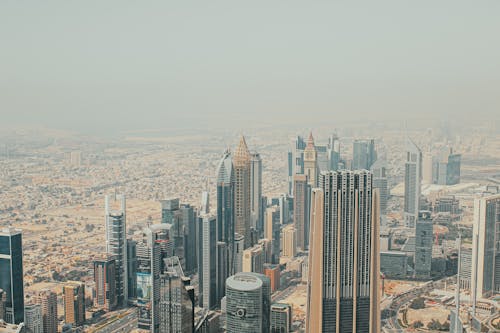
11, 274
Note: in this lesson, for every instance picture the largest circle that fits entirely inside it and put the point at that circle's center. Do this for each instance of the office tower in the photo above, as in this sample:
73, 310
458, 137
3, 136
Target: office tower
343, 287
379, 170
33, 318
285, 203
289, 241
48, 301
301, 210
393, 264
171, 214
446, 167
11, 273
208, 269
413, 178
273, 272
188, 217
256, 192
423, 245
253, 259
205, 203
427, 166
248, 297
222, 269
322, 157
241, 163
225, 207
363, 154
131, 268
156, 245
3, 301
74, 303
116, 244
272, 231
176, 299
239, 247
311, 162
485, 247
295, 160
465, 268
105, 283
333, 152
267, 250
281, 318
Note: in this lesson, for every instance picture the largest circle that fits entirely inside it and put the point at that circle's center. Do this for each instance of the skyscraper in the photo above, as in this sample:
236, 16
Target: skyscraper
486, 247
105, 283
48, 300
131, 269
295, 160
116, 244
74, 303
343, 288
446, 167
423, 245
11, 274
176, 299
3, 300
225, 207
253, 259
363, 155
281, 318
301, 210
379, 170
413, 179
248, 297
256, 192
272, 231
311, 162
188, 216
172, 213
242, 209
156, 245
289, 241
239, 247
333, 152
33, 318
208, 269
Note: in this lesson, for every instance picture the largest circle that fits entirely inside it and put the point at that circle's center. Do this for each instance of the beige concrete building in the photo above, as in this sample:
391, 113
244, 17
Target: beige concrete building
289, 241
343, 285
253, 259
74, 303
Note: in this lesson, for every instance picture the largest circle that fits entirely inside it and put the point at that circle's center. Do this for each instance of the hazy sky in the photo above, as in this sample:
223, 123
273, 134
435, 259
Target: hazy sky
106, 65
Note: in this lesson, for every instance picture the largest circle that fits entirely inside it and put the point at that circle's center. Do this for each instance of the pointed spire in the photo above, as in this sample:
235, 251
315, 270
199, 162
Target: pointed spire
242, 154
310, 141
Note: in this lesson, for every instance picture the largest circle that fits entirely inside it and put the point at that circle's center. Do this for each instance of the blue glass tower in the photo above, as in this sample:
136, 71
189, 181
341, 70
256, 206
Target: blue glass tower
11, 274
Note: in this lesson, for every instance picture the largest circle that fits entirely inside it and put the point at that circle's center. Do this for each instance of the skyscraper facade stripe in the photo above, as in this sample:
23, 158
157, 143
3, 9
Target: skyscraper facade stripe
343, 258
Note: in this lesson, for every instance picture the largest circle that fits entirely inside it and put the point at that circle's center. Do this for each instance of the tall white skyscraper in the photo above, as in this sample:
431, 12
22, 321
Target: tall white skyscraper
486, 247
413, 180
116, 242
